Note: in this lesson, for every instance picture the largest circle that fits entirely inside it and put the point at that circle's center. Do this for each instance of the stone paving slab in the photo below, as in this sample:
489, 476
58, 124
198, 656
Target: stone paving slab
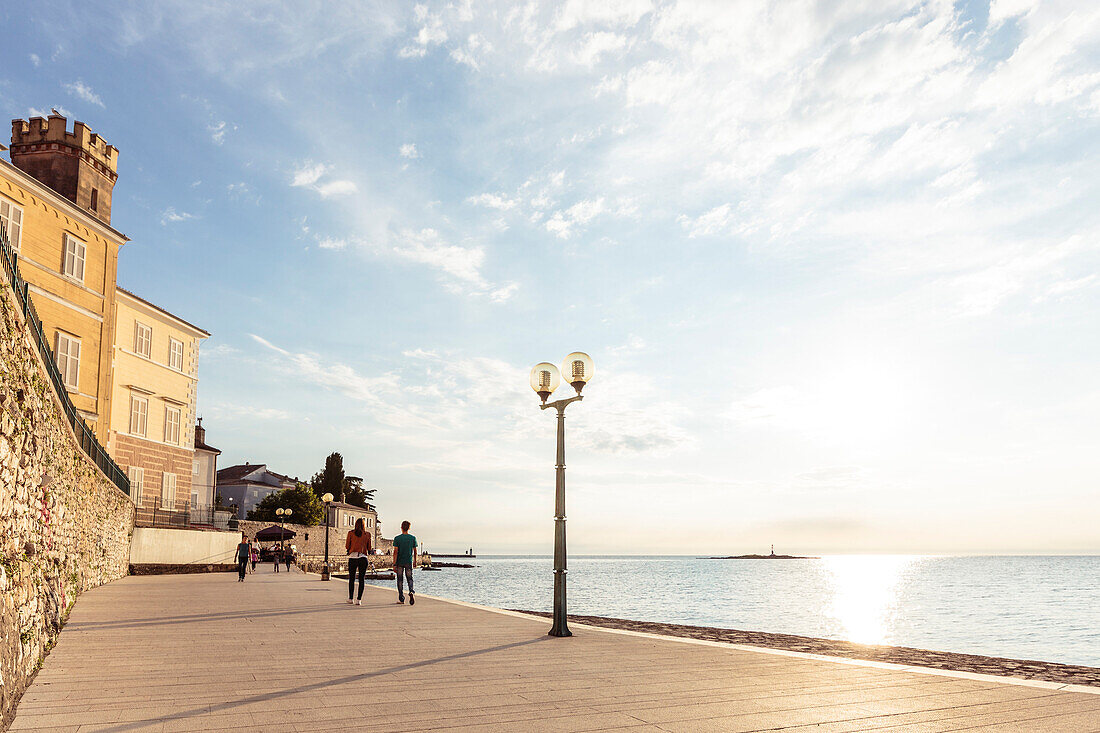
283, 652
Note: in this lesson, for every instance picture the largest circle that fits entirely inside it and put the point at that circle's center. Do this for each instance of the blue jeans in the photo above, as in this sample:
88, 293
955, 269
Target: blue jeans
407, 571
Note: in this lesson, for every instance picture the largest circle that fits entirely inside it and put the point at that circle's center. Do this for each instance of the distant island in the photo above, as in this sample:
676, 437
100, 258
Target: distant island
772, 556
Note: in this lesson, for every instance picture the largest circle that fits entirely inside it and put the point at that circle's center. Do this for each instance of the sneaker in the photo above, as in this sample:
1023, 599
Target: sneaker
400, 600
412, 600
350, 601
358, 602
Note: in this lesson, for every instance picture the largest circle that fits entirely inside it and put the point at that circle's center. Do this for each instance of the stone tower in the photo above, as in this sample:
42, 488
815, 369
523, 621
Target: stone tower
79, 165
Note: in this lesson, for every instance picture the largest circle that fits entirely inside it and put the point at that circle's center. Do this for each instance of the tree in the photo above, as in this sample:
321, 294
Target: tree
354, 493
305, 507
331, 479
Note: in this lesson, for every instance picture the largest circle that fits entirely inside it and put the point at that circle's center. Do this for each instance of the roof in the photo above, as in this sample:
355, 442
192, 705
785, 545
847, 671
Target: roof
236, 474
202, 445
157, 308
345, 505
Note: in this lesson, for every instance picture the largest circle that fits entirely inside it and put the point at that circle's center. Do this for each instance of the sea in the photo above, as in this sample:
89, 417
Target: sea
1043, 608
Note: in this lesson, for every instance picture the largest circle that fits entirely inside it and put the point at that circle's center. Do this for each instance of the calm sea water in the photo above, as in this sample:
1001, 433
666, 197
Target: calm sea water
1028, 607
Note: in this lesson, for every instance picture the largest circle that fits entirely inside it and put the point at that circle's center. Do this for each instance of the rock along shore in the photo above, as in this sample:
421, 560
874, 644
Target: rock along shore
1022, 668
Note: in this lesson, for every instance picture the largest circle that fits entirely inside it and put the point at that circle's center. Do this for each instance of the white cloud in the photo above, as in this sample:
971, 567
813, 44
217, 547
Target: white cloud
217, 131
408, 150
332, 243
611, 13
492, 201
35, 60
35, 112
309, 174
228, 412
715, 221
580, 213
82, 91
313, 369
427, 247
170, 215
336, 188
503, 294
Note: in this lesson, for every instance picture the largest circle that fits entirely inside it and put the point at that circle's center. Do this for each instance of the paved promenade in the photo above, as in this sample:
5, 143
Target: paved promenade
284, 653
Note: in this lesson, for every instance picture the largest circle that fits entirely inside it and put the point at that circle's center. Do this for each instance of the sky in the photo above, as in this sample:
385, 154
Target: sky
835, 262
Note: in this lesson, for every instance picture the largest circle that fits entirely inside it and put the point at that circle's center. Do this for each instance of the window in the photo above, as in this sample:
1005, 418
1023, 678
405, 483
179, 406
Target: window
137, 483
172, 425
95, 199
175, 354
168, 491
139, 414
73, 264
195, 467
11, 218
67, 353
143, 339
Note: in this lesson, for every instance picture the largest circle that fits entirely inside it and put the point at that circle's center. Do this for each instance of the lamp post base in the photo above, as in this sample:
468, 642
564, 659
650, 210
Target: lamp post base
325, 573
561, 621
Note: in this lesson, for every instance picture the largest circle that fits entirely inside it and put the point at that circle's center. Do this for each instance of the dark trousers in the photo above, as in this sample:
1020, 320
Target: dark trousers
407, 571
357, 566
276, 564
241, 566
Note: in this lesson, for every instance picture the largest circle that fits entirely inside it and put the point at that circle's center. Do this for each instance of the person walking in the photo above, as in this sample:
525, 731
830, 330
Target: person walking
404, 558
277, 556
359, 550
288, 557
244, 550
255, 559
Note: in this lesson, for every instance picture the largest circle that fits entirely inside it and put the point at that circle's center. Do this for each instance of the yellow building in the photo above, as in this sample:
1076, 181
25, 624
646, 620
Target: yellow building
152, 423
55, 204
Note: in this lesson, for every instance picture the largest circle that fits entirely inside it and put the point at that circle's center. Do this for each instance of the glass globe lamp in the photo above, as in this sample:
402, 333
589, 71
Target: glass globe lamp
577, 369
545, 378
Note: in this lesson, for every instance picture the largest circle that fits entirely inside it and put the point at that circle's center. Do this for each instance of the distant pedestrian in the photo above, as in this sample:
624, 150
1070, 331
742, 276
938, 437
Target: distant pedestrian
255, 558
244, 551
358, 548
288, 557
404, 558
277, 557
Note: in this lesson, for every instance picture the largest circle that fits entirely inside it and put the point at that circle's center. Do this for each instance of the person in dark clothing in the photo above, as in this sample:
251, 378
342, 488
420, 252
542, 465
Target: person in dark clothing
358, 549
244, 552
404, 560
288, 558
277, 557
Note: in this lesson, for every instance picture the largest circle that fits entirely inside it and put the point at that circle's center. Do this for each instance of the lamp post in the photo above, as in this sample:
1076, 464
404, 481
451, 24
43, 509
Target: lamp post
283, 514
545, 378
327, 498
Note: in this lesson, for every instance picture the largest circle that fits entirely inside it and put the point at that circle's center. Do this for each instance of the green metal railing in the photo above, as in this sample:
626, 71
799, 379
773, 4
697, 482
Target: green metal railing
84, 434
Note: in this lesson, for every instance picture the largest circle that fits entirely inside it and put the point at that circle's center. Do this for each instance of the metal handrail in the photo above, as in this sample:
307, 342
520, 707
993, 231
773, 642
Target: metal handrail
84, 435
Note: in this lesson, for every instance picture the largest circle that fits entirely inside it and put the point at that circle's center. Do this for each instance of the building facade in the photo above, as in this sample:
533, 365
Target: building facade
55, 205
342, 516
246, 486
154, 381
204, 477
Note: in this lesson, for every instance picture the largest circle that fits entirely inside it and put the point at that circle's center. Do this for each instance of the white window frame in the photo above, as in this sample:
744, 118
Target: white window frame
172, 417
143, 339
66, 351
175, 353
12, 217
137, 483
139, 415
168, 491
76, 253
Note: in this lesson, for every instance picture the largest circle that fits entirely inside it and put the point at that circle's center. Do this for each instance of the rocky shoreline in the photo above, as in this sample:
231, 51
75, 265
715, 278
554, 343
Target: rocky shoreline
1021, 668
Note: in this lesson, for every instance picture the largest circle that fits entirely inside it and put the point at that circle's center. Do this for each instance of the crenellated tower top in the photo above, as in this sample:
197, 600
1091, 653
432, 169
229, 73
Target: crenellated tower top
79, 165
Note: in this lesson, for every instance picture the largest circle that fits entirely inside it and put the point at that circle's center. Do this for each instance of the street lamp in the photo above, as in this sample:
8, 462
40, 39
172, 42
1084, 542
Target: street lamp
545, 378
284, 515
327, 498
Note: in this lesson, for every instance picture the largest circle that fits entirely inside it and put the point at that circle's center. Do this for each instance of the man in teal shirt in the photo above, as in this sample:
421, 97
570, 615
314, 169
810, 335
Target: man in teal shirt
404, 558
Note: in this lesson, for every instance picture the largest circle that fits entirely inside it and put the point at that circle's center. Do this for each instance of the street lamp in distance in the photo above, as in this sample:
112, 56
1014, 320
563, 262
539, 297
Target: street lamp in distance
327, 498
545, 378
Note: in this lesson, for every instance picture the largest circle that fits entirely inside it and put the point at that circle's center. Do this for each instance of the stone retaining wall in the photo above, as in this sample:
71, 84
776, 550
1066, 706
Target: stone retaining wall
64, 526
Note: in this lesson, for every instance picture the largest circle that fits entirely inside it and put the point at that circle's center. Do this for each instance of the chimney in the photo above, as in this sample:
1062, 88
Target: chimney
79, 165
200, 433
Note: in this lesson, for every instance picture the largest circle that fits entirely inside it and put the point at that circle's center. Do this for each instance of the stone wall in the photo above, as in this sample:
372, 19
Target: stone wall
64, 527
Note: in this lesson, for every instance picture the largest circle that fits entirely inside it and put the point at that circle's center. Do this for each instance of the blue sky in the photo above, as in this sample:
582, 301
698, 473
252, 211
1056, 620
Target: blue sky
836, 263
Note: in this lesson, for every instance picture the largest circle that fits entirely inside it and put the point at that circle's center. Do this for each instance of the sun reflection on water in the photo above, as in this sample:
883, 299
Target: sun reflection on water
864, 590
